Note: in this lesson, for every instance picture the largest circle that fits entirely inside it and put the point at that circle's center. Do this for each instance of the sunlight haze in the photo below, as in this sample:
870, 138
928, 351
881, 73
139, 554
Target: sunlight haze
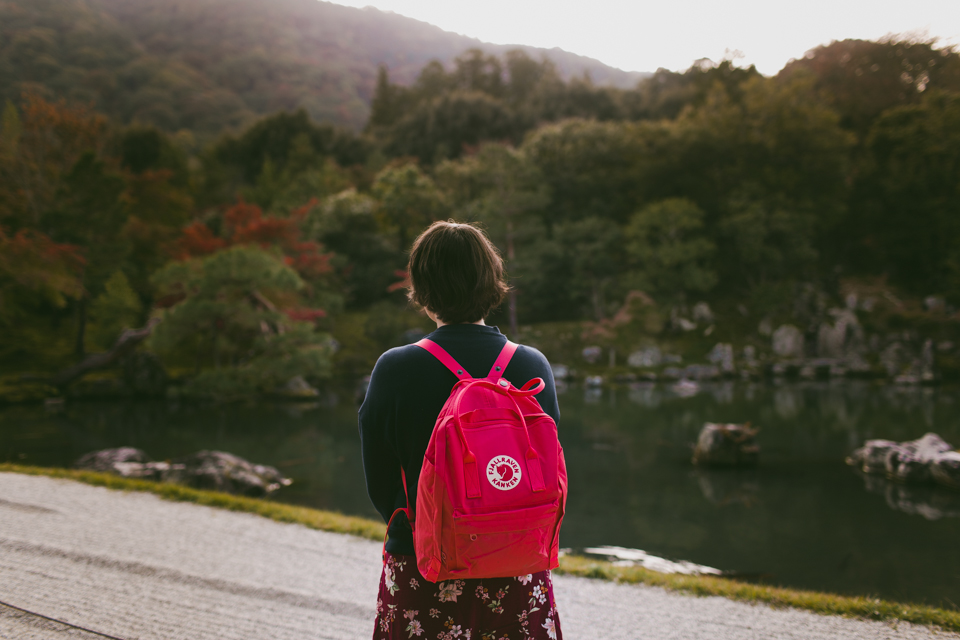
639, 36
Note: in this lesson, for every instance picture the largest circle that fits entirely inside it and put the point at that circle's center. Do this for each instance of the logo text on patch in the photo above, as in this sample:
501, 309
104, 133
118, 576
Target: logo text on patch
503, 472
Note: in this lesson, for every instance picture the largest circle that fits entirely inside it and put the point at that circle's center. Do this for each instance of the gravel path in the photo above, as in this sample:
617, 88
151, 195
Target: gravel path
131, 565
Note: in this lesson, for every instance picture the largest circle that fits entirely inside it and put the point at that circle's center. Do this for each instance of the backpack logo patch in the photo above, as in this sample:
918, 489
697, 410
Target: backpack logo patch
503, 472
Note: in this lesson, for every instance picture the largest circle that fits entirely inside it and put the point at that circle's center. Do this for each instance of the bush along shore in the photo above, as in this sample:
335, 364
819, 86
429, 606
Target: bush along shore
869, 333
699, 585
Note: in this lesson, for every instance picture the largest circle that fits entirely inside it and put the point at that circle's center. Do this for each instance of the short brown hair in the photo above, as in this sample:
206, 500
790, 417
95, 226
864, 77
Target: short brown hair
456, 272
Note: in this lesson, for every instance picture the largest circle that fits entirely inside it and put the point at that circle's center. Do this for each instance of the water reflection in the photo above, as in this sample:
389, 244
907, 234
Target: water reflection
930, 501
786, 402
646, 394
726, 487
801, 515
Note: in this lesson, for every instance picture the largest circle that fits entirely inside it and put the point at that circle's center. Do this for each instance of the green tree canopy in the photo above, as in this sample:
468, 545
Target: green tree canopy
409, 201
232, 316
667, 245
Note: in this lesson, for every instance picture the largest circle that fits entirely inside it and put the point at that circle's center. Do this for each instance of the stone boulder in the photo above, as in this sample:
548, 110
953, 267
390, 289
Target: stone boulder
726, 445
788, 341
926, 459
213, 470
702, 313
871, 458
106, 461
841, 338
945, 469
592, 354
722, 356
894, 358
648, 357
221, 471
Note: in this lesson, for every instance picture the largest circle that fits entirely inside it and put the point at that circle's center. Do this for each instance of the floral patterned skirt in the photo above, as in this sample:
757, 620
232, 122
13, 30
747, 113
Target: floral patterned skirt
473, 609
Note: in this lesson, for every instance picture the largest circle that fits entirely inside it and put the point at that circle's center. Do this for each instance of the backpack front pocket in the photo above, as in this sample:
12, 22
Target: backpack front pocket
505, 543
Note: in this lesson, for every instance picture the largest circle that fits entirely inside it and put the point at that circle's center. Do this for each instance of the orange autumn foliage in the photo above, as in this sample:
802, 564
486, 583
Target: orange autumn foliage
49, 140
31, 260
245, 223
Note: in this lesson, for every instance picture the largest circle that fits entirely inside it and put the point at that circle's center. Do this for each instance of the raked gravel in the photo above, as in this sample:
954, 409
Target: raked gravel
134, 566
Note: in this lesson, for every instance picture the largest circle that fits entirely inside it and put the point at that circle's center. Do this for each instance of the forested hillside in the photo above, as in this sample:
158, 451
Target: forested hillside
278, 249
203, 66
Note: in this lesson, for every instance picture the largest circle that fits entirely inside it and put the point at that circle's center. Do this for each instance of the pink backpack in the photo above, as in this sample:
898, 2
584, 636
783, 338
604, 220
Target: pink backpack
493, 486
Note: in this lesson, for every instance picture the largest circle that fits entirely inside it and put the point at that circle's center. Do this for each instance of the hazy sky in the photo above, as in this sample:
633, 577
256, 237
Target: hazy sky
642, 36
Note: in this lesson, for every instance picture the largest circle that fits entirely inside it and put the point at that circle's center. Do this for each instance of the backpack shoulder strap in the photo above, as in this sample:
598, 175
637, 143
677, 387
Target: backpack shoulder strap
496, 372
445, 358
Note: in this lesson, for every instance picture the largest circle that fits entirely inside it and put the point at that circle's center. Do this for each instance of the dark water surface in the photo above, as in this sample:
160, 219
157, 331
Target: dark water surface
802, 518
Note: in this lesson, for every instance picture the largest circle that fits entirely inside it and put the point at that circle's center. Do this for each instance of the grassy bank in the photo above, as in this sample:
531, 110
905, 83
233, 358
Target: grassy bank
823, 603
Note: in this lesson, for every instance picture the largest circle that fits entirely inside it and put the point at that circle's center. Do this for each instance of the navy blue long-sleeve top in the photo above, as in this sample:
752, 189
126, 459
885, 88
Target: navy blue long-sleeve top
408, 388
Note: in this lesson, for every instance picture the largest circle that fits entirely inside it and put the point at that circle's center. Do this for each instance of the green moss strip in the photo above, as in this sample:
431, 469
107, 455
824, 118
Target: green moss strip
823, 603
313, 518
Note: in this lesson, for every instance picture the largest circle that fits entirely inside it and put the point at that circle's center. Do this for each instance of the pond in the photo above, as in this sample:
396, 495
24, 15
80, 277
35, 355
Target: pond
802, 518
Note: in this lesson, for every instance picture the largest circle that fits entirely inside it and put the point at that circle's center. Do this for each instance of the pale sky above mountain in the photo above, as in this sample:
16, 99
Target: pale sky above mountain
642, 36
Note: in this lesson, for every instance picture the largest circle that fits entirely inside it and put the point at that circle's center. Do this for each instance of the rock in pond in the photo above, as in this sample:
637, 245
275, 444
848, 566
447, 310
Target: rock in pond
221, 471
213, 470
926, 459
108, 459
726, 445
945, 469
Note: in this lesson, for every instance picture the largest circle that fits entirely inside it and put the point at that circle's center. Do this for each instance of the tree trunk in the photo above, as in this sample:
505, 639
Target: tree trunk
512, 294
79, 348
124, 344
597, 302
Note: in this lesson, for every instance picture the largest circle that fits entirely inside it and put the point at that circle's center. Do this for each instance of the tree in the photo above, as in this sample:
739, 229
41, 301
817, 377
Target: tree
267, 159
450, 124
666, 94
861, 79
90, 212
115, 309
589, 167
908, 198
666, 243
770, 242
366, 262
476, 71
234, 314
500, 187
42, 143
389, 102
594, 250
37, 279
524, 75
157, 201
32, 262
408, 201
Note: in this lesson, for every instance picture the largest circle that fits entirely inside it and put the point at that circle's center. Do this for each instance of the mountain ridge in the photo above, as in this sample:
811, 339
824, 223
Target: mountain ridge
208, 66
